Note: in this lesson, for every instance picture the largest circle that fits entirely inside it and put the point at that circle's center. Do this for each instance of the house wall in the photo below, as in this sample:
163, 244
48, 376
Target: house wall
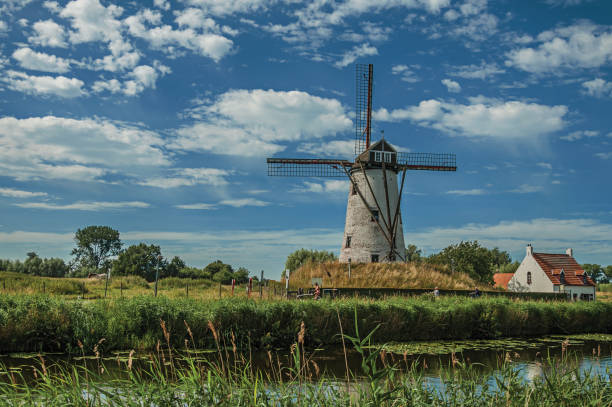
540, 282
366, 236
572, 289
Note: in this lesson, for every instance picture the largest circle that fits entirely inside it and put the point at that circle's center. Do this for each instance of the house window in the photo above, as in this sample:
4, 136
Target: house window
529, 277
374, 216
348, 242
374, 258
377, 156
387, 157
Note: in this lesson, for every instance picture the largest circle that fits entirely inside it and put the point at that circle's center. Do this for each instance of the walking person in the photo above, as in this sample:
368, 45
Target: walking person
436, 292
317, 291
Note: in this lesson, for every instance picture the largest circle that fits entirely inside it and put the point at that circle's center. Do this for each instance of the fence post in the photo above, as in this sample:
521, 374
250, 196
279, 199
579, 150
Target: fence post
250, 287
83, 290
187, 289
233, 285
219, 290
261, 285
121, 288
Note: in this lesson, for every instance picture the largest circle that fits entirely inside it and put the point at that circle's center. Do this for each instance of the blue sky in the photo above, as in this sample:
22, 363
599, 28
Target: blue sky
155, 118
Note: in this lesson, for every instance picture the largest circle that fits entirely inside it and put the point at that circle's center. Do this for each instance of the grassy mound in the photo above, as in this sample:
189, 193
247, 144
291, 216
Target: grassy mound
382, 275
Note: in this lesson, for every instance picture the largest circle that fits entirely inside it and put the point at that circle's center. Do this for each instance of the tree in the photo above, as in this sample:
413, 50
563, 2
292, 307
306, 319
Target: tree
303, 256
220, 272
140, 260
596, 272
413, 253
174, 267
469, 257
95, 244
241, 275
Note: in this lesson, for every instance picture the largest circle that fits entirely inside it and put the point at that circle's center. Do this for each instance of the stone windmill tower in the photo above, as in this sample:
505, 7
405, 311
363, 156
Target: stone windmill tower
373, 231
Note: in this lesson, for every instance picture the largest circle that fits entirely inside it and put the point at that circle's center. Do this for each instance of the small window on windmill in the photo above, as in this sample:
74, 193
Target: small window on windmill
529, 277
374, 258
353, 189
387, 157
378, 156
348, 241
374, 216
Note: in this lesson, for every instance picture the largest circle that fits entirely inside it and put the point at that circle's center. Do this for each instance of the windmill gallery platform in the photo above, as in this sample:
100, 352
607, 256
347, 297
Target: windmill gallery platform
373, 230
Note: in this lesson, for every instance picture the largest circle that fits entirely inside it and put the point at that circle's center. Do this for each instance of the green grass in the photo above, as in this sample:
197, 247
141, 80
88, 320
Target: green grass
36, 322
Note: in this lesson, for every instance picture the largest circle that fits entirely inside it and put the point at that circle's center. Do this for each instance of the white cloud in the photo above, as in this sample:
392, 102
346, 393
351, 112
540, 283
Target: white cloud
598, 87
182, 177
87, 149
84, 206
582, 45
547, 166
3, 27
567, 3
467, 192
358, 51
407, 74
48, 33
334, 148
604, 156
9, 6
588, 237
162, 4
40, 61
580, 134
253, 122
239, 203
330, 186
205, 39
526, 189
482, 118
141, 78
482, 71
198, 206
59, 86
451, 85
16, 193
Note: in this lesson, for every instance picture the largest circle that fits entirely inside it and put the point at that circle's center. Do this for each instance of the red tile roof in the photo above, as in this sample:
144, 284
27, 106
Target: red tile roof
502, 279
552, 264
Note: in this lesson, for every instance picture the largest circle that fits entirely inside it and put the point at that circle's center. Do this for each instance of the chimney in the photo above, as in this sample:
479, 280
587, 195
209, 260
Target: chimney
529, 250
569, 252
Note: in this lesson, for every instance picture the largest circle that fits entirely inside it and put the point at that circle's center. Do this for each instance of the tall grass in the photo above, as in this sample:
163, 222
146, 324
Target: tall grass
27, 284
382, 275
203, 383
31, 323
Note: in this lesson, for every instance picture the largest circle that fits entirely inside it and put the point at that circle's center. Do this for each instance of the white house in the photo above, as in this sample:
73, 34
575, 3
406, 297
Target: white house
544, 272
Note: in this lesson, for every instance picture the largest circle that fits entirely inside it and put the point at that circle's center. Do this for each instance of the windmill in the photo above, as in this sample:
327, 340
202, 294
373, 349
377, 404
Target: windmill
373, 230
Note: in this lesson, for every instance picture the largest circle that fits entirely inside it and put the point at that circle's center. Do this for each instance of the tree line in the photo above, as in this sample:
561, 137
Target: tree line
99, 250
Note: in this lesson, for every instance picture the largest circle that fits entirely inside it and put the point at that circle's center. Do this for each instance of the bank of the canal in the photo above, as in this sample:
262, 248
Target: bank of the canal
34, 323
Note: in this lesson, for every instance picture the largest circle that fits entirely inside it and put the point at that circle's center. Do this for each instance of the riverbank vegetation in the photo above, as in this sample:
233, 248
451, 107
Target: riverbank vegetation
231, 380
36, 322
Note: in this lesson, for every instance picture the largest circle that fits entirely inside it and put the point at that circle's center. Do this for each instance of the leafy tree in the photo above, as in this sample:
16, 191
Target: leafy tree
469, 257
241, 275
509, 267
596, 272
193, 272
608, 271
140, 260
413, 253
220, 272
174, 267
36, 266
303, 256
95, 244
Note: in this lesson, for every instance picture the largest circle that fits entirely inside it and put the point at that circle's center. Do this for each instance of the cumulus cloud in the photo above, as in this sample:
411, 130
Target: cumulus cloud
482, 118
141, 78
334, 148
84, 206
16, 193
202, 35
48, 33
580, 134
526, 189
197, 206
546, 166
59, 86
253, 122
451, 85
358, 51
86, 150
40, 61
604, 156
406, 74
598, 87
582, 45
242, 202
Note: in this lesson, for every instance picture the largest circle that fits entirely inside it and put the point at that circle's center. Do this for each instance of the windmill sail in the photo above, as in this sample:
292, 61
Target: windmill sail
363, 107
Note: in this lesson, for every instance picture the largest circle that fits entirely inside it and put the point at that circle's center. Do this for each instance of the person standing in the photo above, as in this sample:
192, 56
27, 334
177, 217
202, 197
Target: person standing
317, 291
436, 292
